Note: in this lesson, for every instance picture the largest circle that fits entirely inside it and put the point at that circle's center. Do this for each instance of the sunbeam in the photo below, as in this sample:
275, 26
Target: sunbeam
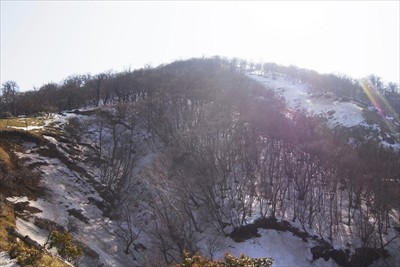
380, 103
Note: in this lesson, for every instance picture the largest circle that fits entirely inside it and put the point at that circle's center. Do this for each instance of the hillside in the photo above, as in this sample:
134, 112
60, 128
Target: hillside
339, 112
206, 157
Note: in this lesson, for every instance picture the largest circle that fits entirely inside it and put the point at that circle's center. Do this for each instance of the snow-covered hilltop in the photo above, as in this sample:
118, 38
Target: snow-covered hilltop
298, 96
338, 111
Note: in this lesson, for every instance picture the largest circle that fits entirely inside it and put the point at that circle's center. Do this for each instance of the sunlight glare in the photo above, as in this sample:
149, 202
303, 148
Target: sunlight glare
377, 99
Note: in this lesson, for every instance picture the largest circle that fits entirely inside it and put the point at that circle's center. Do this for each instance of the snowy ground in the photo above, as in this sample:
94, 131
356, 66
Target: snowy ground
298, 97
5, 260
283, 247
66, 191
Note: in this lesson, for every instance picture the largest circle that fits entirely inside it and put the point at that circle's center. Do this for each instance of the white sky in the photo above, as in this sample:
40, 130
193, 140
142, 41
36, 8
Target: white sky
48, 41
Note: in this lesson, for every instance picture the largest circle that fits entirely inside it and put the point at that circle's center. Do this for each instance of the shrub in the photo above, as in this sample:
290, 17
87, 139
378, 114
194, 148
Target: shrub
24, 254
227, 261
65, 246
74, 128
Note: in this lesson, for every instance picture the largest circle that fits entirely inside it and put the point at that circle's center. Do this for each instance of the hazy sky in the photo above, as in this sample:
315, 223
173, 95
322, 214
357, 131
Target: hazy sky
48, 41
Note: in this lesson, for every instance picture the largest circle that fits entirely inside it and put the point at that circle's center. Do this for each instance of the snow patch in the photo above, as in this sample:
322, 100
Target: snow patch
283, 247
28, 228
17, 199
6, 261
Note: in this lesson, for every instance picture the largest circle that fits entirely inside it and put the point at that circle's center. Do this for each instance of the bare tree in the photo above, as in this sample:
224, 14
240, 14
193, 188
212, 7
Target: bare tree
9, 91
128, 227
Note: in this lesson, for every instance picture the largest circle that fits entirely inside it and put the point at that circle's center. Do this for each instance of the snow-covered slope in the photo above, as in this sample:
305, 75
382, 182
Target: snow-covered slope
337, 111
70, 196
299, 97
70, 199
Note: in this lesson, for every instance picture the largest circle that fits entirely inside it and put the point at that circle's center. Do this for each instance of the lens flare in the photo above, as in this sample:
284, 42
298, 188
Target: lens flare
380, 103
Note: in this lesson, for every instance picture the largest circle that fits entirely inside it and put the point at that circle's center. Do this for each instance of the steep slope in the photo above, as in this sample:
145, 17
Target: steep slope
70, 199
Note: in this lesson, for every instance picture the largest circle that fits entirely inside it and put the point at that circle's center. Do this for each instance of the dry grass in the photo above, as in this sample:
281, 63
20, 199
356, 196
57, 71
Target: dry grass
52, 128
5, 158
7, 219
49, 261
27, 255
21, 122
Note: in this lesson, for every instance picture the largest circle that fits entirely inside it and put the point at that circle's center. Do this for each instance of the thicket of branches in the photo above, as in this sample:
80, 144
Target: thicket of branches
235, 152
